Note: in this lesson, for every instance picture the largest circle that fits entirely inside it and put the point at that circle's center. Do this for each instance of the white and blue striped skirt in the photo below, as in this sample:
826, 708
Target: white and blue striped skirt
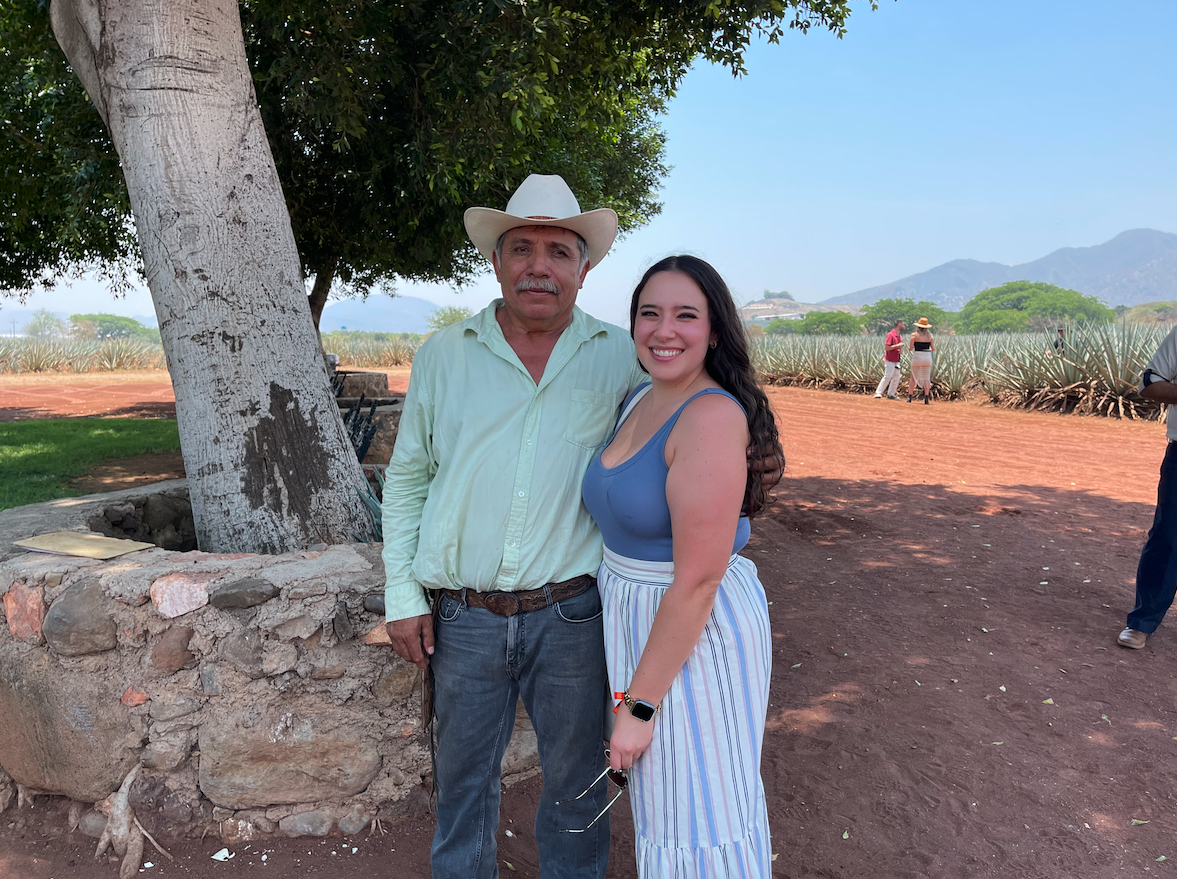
698, 801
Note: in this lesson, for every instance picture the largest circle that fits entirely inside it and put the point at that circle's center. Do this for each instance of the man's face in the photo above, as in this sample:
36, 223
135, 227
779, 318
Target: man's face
899, 326
540, 274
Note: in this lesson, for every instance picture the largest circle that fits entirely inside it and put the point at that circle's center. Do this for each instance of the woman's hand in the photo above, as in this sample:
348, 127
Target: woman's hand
631, 737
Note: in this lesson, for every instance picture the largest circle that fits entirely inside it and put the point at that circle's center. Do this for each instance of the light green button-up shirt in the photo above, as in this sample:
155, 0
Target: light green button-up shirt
483, 490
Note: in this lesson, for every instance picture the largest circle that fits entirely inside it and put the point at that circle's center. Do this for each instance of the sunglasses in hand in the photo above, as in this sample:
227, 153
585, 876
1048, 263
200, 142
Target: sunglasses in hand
617, 776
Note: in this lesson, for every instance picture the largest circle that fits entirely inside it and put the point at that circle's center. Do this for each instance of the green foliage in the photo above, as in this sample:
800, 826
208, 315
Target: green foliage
1020, 306
446, 315
780, 326
44, 324
64, 203
38, 458
784, 294
879, 318
110, 326
387, 120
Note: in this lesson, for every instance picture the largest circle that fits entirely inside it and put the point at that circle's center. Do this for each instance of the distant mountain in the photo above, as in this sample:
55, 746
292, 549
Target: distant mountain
1136, 266
378, 314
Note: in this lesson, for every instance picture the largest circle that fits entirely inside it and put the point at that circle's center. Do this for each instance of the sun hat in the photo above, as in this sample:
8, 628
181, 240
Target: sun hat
543, 200
923, 324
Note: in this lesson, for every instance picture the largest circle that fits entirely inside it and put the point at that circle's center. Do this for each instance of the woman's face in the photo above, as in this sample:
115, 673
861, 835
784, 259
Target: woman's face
672, 329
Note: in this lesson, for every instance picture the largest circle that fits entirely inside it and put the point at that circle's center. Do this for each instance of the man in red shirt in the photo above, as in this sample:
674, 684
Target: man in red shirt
892, 345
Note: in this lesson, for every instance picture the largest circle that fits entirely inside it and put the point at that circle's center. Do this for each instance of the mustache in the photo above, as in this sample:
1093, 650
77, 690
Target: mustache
548, 286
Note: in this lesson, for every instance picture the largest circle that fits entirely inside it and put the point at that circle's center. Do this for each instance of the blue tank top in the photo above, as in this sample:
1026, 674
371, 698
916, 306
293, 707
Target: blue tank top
628, 501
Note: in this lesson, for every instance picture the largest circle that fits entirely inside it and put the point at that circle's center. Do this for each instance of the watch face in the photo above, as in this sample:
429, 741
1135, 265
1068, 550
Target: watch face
643, 710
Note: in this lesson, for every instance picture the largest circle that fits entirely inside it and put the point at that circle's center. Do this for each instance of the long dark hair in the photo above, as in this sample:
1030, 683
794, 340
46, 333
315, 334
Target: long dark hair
731, 366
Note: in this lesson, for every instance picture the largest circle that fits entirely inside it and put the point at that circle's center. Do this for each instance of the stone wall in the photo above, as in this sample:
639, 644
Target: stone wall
244, 694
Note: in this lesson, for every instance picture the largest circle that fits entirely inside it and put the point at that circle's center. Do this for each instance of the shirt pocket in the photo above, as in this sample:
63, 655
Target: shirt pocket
590, 418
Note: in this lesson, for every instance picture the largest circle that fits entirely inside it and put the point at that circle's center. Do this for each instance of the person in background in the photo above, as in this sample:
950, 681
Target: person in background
920, 366
686, 624
1156, 573
892, 348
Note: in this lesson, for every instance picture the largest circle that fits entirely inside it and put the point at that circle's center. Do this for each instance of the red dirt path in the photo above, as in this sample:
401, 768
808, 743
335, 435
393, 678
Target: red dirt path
947, 700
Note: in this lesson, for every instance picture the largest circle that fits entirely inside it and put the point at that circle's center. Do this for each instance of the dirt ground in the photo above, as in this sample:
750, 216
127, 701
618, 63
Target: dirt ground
946, 583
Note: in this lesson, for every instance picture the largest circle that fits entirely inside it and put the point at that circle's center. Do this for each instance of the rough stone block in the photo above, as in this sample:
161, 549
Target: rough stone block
24, 606
171, 652
316, 823
369, 384
249, 592
279, 658
92, 824
263, 755
177, 594
395, 684
61, 733
244, 650
79, 621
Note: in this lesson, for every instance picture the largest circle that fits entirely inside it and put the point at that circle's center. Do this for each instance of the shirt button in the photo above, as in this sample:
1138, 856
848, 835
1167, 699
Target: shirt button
512, 543
529, 442
520, 494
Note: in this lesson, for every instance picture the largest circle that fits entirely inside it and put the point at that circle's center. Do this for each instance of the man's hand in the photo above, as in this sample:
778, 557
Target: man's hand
412, 639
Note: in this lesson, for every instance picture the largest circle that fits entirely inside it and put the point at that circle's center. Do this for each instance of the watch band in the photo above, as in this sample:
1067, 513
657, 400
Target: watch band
639, 708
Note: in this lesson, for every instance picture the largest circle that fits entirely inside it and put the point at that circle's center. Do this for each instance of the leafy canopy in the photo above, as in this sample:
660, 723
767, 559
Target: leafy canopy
109, 326
386, 120
879, 318
817, 323
1021, 306
446, 315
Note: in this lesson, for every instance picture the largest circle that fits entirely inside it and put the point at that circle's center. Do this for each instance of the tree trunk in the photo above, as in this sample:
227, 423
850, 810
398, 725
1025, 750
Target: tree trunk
319, 290
270, 468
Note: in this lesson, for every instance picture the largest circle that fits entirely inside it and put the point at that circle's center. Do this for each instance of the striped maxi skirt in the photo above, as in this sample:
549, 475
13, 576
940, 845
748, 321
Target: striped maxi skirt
697, 797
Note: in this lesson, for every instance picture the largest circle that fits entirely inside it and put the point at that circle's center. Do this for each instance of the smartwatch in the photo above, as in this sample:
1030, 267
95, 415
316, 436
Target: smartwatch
640, 708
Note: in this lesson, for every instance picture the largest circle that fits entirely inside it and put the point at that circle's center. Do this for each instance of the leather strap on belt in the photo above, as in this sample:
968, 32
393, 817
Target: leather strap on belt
507, 604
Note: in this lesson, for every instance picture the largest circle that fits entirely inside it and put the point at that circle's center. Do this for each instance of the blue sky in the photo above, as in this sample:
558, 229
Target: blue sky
933, 131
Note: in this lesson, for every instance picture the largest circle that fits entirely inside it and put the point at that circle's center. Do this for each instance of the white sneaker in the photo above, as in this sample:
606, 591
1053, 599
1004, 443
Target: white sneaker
878, 396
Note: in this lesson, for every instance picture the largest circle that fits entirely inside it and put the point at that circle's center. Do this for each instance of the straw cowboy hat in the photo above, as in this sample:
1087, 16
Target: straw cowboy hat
543, 200
922, 323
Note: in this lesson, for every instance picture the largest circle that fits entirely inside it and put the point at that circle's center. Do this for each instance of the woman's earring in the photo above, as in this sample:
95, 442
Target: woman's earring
713, 344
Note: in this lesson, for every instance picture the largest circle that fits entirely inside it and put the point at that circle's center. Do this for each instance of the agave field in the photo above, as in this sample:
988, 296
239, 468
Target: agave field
374, 354
1097, 373
68, 355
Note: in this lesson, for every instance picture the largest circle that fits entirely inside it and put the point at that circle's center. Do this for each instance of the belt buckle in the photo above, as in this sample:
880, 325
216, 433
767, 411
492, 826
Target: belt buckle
504, 604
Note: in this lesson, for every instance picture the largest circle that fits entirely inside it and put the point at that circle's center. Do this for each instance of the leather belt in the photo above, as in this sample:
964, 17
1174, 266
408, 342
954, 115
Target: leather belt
507, 604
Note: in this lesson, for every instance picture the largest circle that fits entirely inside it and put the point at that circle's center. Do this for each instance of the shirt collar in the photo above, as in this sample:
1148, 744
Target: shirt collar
486, 326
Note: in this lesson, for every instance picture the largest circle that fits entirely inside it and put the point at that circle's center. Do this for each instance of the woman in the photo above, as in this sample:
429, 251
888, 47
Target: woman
921, 346
686, 623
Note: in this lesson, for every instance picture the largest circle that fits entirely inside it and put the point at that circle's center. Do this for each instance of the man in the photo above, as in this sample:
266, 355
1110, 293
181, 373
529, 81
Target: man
482, 512
1060, 342
892, 346
1156, 573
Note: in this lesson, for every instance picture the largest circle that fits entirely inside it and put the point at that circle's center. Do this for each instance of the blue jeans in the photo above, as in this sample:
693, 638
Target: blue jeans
554, 659
1156, 574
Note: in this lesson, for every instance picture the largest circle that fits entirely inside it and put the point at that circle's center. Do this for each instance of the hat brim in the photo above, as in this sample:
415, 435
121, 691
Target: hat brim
598, 228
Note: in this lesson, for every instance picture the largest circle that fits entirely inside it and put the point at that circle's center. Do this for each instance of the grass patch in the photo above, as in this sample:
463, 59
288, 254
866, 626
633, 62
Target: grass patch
38, 458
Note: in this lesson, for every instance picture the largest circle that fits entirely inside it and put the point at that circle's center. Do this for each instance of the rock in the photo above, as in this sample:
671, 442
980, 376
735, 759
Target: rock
354, 821
301, 627
210, 680
53, 578
395, 684
65, 734
79, 621
235, 831
244, 651
317, 823
317, 547
279, 658
171, 652
378, 636
171, 706
178, 594
327, 672
161, 511
249, 592
24, 606
341, 624
168, 753
303, 591
263, 755
369, 384
374, 603
92, 824
133, 698
115, 514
